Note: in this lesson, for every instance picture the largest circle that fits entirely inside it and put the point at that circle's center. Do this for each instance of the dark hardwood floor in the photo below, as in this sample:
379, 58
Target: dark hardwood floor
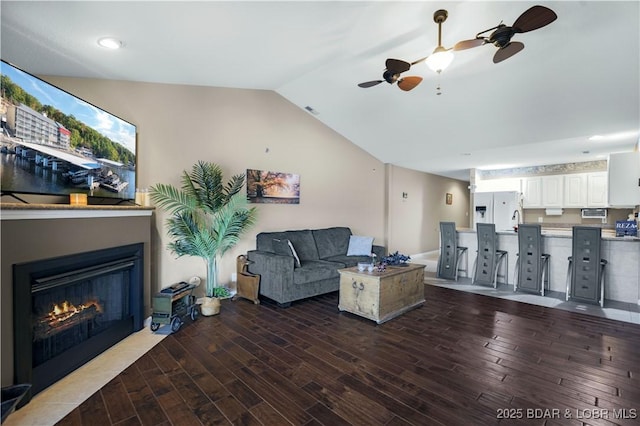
461, 359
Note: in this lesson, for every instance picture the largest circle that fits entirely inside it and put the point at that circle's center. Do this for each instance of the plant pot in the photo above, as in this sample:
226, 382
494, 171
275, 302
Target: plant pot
210, 306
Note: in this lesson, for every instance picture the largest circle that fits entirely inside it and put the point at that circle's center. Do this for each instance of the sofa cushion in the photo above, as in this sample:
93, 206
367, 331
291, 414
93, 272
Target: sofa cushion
303, 243
359, 246
315, 270
332, 241
285, 248
264, 240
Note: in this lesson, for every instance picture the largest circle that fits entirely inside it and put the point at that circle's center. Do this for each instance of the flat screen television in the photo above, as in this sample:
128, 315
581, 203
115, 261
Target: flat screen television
55, 143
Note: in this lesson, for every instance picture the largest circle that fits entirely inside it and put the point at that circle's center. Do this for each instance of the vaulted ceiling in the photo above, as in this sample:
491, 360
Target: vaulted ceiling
576, 77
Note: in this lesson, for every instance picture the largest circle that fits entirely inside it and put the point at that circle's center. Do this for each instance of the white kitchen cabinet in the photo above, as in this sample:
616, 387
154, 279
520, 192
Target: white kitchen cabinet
575, 190
532, 193
624, 179
552, 191
585, 190
597, 189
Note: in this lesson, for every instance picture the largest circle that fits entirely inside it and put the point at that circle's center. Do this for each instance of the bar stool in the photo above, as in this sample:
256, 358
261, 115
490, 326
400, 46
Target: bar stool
585, 276
450, 252
532, 266
489, 259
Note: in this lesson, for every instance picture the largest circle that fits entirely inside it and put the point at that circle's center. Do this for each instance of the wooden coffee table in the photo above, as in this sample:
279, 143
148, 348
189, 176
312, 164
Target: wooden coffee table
381, 296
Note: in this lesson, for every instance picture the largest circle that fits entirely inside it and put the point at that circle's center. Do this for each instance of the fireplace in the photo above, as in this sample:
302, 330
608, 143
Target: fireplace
69, 309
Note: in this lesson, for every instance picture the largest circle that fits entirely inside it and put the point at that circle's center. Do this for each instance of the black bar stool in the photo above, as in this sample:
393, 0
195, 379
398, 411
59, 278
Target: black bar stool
489, 259
532, 266
450, 253
585, 276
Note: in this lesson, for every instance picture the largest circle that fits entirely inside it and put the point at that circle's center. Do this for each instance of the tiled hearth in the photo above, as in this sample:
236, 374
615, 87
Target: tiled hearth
59, 399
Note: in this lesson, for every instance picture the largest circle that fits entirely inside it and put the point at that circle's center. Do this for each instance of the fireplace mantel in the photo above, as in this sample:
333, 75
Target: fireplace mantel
14, 211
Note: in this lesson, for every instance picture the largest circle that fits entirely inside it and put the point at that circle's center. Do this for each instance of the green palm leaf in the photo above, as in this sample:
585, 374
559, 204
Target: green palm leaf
208, 217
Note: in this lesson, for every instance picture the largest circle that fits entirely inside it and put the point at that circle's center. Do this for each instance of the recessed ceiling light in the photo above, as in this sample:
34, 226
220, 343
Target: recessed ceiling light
110, 43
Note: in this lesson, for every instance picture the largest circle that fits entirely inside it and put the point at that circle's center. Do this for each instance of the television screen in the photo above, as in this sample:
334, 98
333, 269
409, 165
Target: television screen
55, 143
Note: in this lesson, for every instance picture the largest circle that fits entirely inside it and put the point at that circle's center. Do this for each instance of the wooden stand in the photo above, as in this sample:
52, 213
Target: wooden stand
248, 283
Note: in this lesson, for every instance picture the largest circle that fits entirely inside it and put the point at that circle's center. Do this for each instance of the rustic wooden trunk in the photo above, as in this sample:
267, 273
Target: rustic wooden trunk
380, 296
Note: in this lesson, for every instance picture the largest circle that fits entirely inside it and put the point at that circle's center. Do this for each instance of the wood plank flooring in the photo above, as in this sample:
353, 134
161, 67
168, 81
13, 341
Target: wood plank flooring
461, 359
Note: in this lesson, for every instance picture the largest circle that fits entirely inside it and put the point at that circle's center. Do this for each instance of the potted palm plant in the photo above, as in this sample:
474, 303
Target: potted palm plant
207, 219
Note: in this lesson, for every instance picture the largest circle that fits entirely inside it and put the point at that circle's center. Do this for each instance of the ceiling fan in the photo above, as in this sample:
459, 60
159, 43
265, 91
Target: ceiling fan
391, 74
531, 19
395, 67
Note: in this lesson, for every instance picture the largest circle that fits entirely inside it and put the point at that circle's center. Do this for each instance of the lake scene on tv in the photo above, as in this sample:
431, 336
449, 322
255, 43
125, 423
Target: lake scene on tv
55, 143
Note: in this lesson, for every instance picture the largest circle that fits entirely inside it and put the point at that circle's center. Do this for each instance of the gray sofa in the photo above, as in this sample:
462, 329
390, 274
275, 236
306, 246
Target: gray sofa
321, 253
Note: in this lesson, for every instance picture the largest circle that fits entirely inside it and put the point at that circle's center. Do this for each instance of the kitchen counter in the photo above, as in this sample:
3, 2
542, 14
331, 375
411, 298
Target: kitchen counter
607, 234
622, 273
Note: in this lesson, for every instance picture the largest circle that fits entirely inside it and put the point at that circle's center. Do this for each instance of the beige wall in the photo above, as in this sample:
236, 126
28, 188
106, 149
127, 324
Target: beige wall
239, 129
413, 221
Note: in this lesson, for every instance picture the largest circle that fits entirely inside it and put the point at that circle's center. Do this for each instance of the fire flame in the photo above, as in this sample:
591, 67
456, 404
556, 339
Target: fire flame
67, 309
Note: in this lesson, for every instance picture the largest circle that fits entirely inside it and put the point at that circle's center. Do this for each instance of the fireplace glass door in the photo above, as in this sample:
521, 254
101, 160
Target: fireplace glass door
69, 309
65, 315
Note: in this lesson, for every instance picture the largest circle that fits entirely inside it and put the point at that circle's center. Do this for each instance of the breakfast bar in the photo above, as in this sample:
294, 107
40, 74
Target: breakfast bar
622, 274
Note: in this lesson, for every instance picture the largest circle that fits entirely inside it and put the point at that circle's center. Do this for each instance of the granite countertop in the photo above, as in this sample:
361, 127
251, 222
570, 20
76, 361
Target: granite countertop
564, 232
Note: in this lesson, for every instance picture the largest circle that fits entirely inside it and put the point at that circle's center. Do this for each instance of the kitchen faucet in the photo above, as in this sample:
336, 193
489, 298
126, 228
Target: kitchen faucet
516, 212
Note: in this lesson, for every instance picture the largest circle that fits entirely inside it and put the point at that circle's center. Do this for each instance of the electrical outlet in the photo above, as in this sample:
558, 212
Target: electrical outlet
540, 219
234, 277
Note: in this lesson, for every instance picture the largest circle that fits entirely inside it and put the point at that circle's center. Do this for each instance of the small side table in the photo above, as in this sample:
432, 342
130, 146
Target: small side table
248, 283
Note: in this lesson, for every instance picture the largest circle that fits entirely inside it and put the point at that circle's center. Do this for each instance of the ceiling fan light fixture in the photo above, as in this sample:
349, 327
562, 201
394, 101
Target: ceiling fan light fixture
439, 60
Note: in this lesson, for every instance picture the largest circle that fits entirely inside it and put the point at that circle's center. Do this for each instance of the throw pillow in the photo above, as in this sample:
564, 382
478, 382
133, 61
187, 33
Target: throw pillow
295, 255
285, 248
359, 246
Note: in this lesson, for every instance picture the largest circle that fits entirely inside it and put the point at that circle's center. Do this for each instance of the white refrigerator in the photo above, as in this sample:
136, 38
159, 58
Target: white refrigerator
498, 208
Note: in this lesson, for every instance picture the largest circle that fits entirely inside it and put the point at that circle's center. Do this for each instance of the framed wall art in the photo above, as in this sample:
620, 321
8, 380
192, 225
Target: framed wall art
272, 187
449, 198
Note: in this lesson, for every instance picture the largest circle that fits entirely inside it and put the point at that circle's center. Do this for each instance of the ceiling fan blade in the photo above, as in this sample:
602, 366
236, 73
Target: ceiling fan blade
508, 51
370, 83
534, 18
396, 66
409, 83
468, 44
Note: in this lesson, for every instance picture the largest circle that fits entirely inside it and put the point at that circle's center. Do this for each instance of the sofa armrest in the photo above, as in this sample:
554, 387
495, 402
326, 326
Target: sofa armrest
380, 251
276, 273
